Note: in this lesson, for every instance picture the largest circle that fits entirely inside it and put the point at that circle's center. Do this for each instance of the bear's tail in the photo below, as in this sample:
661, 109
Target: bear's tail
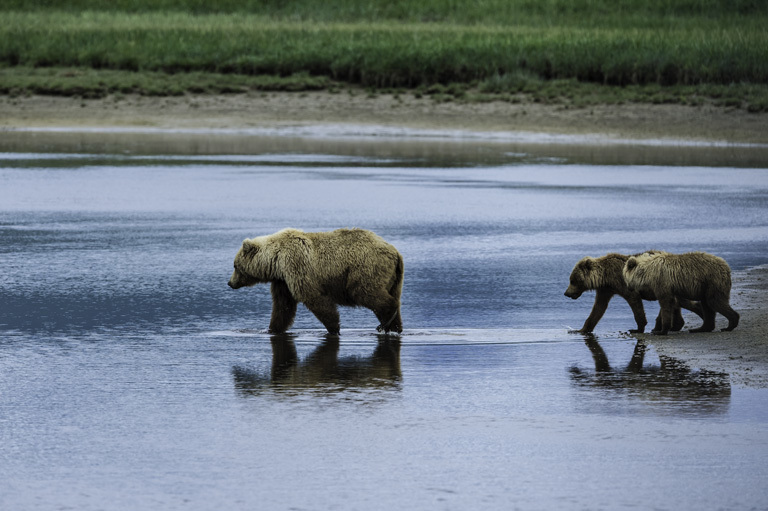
397, 286
394, 291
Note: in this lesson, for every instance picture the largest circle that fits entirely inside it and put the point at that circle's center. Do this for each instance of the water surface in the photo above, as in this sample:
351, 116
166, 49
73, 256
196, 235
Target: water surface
132, 377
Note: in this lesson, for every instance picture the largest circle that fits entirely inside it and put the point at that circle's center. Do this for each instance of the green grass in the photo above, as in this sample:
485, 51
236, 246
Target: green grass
519, 87
92, 83
680, 49
503, 12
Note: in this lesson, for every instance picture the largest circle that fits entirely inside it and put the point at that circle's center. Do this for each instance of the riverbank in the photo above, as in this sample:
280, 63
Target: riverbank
648, 122
741, 353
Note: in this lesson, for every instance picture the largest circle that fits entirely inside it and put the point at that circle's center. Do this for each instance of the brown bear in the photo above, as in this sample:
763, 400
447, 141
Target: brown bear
604, 275
351, 267
695, 276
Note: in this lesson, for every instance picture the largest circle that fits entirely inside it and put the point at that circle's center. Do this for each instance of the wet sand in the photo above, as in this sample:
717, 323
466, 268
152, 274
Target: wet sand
742, 353
242, 111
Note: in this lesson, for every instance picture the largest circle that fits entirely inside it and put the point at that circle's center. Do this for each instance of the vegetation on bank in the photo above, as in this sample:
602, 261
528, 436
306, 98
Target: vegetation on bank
574, 52
514, 88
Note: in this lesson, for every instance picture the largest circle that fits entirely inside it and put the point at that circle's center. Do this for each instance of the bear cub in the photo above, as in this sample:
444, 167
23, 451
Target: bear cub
351, 267
694, 275
604, 275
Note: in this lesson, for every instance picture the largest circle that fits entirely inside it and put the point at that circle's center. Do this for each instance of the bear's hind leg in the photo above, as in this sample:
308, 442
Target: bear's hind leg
385, 306
324, 309
694, 307
387, 310
709, 318
733, 318
394, 324
397, 324
722, 306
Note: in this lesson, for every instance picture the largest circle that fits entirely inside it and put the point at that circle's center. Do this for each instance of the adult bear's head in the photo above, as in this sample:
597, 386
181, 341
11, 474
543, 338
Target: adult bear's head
248, 271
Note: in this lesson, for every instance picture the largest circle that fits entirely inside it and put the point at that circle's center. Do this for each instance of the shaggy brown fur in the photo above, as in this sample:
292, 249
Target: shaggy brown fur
603, 275
351, 267
695, 276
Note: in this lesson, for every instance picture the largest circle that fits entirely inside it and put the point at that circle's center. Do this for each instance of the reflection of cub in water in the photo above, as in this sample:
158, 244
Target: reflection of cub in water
323, 370
670, 388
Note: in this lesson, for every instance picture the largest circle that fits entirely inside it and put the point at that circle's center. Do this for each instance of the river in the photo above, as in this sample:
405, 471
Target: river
132, 377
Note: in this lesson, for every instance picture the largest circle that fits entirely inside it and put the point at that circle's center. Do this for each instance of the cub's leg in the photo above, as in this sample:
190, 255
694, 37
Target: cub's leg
602, 297
694, 307
709, 318
677, 318
721, 305
667, 305
636, 304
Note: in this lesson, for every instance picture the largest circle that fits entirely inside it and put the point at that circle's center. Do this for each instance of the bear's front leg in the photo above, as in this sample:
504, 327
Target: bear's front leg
667, 312
324, 309
677, 318
636, 304
283, 308
602, 298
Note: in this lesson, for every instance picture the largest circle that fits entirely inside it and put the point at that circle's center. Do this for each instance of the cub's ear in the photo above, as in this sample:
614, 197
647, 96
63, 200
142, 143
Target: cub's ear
249, 247
631, 264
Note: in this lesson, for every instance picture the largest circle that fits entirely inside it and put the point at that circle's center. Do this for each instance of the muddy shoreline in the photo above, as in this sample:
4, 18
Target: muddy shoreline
646, 122
741, 353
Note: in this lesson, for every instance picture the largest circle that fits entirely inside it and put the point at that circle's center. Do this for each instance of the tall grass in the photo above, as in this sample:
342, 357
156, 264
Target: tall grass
652, 50
385, 54
456, 11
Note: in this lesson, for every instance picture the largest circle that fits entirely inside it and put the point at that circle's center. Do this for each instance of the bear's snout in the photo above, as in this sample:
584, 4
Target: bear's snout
572, 294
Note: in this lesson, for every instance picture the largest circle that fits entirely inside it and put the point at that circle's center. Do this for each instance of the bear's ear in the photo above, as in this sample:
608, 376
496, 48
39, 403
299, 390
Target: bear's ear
631, 264
586, 264
249, 247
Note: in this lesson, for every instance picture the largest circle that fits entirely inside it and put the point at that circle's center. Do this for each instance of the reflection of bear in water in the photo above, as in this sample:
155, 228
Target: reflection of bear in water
351, 267
670, 387
695, 275
323, 368
604, 275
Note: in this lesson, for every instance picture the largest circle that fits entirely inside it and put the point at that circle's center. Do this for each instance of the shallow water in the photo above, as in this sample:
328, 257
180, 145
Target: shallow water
132, 377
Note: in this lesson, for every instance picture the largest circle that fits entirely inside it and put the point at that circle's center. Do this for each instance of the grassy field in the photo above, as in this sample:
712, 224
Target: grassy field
575, 52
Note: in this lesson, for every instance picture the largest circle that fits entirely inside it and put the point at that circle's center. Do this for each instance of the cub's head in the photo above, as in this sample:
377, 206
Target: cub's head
583, 278
246, 272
